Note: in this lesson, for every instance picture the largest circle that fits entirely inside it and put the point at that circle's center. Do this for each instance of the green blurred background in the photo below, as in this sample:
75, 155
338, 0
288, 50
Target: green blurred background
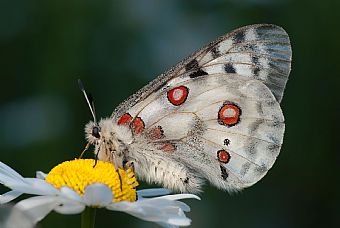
116, 47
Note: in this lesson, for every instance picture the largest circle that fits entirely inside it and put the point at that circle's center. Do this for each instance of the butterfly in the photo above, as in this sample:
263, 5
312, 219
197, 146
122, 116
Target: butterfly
214, 116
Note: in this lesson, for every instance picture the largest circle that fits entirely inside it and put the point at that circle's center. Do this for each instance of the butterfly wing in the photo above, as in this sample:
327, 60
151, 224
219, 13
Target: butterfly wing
260, 51
217, 112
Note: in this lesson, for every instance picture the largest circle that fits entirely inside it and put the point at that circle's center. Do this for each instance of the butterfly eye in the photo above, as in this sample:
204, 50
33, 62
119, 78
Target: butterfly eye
95, 132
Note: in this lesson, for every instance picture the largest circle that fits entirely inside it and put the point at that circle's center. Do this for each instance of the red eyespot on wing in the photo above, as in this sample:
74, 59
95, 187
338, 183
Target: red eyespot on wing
155, 133
138, 125
223, 156
229, 114
168, 148
125, 119
178, 95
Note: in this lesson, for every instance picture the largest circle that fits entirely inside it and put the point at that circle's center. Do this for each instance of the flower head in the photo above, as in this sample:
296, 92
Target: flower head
79, 173
72, 186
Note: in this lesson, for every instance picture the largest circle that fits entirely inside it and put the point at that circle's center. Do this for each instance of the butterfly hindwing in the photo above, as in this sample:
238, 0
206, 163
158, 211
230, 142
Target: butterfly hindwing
197, 134
217, 114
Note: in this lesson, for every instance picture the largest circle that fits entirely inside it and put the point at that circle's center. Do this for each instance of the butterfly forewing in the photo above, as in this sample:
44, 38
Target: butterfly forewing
217, 112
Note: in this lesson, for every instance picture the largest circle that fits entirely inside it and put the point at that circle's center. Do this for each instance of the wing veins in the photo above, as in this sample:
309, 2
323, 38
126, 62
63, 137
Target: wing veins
218, 145
197, 148
265, 55
234, 133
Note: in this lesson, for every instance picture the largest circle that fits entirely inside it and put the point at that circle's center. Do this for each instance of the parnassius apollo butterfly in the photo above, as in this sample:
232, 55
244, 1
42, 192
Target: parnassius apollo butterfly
214, 116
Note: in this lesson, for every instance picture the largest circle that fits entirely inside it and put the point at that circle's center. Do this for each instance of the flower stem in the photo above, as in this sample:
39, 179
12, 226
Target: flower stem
88, 217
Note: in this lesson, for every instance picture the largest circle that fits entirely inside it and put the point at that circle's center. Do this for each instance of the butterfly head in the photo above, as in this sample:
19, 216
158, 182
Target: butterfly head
108, 138
104, 131
102, 136
93, 133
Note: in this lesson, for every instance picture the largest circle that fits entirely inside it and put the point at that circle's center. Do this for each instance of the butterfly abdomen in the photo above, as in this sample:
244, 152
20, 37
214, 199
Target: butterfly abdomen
154, 167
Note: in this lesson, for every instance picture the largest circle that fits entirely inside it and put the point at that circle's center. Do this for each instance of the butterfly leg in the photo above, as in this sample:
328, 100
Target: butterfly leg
96, 159
129, 165
114, 161
85, 149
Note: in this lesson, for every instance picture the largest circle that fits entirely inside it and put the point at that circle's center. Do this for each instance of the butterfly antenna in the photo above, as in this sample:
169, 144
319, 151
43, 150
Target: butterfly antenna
89, 100
90, 97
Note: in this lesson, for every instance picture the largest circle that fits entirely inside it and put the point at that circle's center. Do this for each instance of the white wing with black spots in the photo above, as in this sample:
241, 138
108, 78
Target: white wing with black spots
216, 115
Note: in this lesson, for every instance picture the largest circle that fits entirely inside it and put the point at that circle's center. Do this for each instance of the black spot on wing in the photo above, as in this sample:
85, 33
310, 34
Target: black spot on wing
193, 64
198, 73
256, 71
229, 68
239, 37
224, 173
226, 142
215, 53
255, 60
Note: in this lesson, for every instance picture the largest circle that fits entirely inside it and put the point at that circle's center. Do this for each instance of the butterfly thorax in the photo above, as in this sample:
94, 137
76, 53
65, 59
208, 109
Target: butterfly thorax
110, 140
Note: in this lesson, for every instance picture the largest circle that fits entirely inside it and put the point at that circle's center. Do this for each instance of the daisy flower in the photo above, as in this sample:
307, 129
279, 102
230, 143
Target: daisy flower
76, 186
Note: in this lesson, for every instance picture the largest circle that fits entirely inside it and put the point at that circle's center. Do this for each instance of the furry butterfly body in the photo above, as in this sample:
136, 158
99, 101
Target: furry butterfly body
215, 116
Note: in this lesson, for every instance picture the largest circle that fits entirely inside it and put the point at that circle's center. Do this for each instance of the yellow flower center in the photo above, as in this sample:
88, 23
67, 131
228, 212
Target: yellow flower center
79, 173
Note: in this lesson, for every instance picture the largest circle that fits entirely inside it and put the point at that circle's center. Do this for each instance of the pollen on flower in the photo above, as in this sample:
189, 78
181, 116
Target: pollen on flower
79, 173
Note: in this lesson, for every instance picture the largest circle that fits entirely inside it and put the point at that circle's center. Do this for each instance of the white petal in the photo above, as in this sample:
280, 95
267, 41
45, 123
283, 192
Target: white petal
149, 212
39, 206
35, 186
180, 196
69, 207
153, 192
179, 221
70, 194
9, 196
164, 210
42, 185
8, 171
163, 200
8, 180
15, 181
123, 206
98, 195
40, 175
11, 217
162, 203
